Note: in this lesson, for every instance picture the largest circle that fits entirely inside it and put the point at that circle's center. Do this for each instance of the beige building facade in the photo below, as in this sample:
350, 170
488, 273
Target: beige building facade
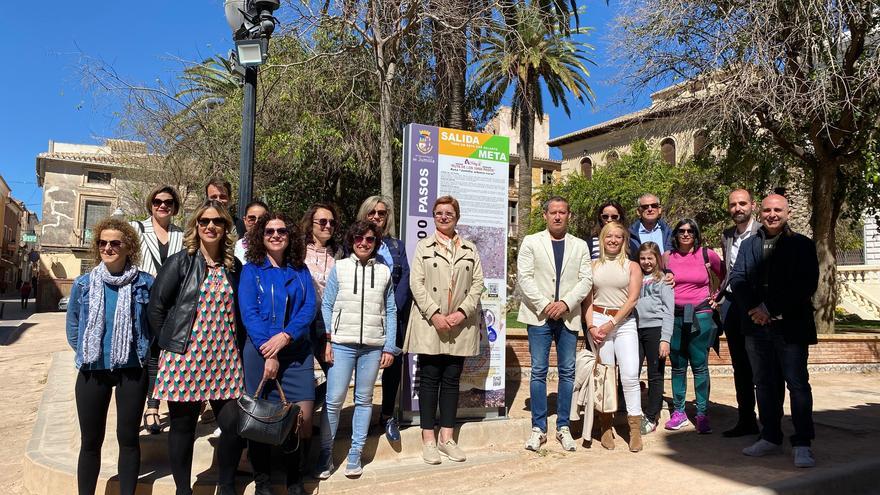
82, 184
660, 125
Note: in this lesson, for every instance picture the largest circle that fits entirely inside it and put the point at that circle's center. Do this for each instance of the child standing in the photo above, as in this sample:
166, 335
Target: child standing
654, 313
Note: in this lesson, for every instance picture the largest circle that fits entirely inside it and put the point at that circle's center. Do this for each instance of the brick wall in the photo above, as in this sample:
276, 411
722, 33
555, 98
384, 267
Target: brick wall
836, 349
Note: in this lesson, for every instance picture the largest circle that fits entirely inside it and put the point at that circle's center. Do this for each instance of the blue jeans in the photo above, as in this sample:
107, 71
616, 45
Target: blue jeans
774, 363
363, 362
540, 338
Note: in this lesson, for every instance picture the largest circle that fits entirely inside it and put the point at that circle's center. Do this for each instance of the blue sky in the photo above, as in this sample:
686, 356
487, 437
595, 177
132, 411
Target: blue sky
45, 99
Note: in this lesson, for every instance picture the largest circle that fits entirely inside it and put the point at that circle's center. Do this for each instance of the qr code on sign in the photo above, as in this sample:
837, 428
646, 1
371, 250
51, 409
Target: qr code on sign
496, 381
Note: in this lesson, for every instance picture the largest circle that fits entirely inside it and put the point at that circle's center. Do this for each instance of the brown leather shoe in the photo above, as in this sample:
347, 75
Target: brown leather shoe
605, 421
635, 433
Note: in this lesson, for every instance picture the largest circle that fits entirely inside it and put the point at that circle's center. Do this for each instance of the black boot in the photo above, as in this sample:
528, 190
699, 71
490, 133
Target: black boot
293, 459
262, 484
744, 427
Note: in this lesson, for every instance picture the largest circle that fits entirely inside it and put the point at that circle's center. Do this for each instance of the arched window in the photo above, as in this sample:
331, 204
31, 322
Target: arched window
611, 157
587, 167
700, 143
667, 150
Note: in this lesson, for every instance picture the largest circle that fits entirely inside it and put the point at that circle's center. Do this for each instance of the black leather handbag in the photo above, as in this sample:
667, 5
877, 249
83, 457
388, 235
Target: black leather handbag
265, 421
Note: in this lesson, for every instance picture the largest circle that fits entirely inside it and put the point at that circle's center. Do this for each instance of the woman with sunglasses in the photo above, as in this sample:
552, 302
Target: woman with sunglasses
608, 312
607, 212
322, 250
360, 316
444, 325
159, 239
253, 211
693, 328
392, 253
193, 311
277, 302
107, 327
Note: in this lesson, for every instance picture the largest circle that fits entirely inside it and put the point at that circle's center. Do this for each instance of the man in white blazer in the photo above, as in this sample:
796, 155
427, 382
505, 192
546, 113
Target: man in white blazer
553, 276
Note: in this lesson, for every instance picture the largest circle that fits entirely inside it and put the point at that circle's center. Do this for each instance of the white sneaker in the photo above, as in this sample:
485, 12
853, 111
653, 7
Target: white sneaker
563, 434
536, 439
761, 448
803, 457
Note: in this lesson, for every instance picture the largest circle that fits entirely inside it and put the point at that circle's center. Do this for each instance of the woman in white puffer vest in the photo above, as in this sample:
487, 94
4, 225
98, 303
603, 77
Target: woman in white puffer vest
360, 318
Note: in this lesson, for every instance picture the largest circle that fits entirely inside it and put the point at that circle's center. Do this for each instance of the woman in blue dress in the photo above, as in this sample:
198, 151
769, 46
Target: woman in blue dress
277, 301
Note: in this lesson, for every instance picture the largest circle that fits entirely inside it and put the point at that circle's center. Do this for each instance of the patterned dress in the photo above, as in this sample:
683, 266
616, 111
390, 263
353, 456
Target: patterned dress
211, 367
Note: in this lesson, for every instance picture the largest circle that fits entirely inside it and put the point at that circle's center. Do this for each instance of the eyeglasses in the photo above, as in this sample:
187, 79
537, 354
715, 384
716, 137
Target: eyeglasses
169, 203
251, 218
217, 221
444, 214
378, 213
369, 239
325, 222
115, 244
610, 217
269, 232
685, 231
650, 206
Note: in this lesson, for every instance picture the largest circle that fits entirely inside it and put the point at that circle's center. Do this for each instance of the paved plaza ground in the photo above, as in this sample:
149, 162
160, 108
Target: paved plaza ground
847, 419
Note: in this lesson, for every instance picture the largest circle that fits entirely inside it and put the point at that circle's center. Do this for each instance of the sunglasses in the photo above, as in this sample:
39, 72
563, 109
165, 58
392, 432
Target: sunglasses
610, 217
251, 218
217, 221
685, 231
369, 239
169, 203
650, 206
378, 213
282, 232
115, 244
325, 222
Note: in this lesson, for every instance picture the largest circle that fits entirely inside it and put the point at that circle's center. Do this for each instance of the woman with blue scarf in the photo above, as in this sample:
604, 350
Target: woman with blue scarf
107, 327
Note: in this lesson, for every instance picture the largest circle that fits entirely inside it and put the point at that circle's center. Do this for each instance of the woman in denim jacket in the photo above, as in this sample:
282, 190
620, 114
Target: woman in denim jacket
107, 327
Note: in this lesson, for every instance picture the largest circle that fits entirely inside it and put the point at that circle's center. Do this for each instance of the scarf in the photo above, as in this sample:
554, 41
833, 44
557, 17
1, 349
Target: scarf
122, 319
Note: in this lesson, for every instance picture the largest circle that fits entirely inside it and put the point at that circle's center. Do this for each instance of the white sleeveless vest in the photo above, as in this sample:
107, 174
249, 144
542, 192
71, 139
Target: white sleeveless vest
359, 310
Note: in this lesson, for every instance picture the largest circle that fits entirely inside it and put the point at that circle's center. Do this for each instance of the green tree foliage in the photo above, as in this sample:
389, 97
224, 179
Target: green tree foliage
688, 190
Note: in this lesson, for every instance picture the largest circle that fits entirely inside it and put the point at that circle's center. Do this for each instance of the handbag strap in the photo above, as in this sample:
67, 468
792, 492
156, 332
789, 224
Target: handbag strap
277, 385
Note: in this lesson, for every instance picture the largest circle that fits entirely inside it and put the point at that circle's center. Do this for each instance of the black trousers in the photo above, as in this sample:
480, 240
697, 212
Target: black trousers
152, 373
182, 436
92, 392
649, 348
739, 359
438, 383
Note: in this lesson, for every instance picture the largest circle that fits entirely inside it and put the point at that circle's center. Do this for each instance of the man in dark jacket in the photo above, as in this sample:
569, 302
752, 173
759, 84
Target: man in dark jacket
649, 227
773, 281
741, 206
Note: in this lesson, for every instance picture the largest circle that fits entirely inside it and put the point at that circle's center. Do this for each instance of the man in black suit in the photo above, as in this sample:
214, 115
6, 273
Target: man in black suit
741, 206
774, 278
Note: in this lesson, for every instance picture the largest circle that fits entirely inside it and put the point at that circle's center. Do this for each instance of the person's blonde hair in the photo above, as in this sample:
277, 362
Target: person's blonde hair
191, 239
129, 237
654, 249
624, 249
370, 203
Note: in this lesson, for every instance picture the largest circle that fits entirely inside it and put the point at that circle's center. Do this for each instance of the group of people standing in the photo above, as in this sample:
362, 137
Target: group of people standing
648, 292
225, 307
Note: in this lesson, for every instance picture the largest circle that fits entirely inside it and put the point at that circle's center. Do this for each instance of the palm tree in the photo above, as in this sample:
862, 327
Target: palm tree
531, 47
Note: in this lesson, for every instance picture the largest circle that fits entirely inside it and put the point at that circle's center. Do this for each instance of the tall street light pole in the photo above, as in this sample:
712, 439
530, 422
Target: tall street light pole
252, 24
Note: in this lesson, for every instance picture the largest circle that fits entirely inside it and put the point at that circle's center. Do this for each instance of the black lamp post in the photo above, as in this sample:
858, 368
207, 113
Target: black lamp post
252, 24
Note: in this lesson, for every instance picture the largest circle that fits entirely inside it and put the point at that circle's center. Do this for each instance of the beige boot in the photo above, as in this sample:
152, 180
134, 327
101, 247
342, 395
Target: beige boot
635, 433
605, 422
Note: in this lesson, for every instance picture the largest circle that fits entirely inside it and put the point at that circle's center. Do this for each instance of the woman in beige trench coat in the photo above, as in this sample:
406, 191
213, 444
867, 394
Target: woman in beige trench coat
446, 279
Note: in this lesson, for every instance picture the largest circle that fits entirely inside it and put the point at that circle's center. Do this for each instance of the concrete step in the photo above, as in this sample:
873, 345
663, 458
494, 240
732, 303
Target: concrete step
50, 460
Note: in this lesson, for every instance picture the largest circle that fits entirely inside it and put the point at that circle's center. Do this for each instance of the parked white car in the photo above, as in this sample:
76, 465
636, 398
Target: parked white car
62, 304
